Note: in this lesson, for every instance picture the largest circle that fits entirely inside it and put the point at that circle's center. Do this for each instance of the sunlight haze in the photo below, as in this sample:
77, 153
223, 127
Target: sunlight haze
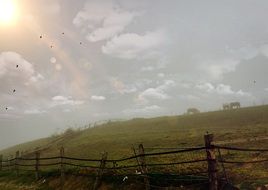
66, 63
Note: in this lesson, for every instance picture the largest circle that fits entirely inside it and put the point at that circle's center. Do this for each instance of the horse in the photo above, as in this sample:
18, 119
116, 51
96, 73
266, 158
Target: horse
192, 111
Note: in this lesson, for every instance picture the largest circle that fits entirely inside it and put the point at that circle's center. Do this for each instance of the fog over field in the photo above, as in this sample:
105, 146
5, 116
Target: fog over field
66, 63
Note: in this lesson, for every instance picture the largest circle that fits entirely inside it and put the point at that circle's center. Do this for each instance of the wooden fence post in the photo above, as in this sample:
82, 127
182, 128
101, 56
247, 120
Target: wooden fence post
100, 171
144, 169
37, 160
1, 162
114, 167
211, 159
17, 163
9, 162
62, 175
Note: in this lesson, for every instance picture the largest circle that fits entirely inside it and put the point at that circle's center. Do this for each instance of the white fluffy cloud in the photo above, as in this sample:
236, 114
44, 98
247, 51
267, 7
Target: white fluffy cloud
98, 98
158, 92
62, 100
132, 45
14, 68
112, 25
220, 89
206, 86
153, 93
102, 20
8, 63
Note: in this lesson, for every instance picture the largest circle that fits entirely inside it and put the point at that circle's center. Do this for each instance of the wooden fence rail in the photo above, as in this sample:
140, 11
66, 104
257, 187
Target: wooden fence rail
142, 163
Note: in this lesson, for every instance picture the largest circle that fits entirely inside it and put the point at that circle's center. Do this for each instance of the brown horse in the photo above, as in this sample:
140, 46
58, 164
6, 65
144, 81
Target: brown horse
192, 111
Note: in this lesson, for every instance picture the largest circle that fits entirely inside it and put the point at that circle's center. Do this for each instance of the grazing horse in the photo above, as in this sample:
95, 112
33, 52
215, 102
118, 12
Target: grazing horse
232, 105
226, 106
192, 111
235, 105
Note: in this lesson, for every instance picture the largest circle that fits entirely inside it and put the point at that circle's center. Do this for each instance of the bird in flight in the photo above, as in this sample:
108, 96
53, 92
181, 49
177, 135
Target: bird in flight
14, 90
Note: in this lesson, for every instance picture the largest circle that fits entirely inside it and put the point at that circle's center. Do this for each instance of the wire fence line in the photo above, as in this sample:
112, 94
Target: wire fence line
201, 161
240, 149
110, 160
20, 163
137, 156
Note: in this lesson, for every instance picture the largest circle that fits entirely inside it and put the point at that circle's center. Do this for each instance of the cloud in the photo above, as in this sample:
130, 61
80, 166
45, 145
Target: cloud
153, 93
8, 62
148, 68
216, 69
62, 100
14, 68
34, 111
53, 60
135, 46
98, 98
248, 52
206, 87
190, 97
66, 110
145, 110
102, 20
112, 25
122, 88
161, 75
158, 92
220, 89
264, 50
245, 52
93, 11
226, 90
37, 78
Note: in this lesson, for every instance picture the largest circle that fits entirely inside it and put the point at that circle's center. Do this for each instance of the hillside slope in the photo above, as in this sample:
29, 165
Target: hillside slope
117, 138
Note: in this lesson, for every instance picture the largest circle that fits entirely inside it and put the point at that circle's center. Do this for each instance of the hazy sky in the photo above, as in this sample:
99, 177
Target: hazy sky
117, 59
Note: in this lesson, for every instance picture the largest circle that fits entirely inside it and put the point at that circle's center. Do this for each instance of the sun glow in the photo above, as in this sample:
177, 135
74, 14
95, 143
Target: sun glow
8, 11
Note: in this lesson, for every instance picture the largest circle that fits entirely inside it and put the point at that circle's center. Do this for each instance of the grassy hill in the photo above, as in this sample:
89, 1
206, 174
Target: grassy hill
232, 126
245, 127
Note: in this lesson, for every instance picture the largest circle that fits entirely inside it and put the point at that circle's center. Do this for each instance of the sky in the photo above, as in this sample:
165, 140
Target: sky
84, 61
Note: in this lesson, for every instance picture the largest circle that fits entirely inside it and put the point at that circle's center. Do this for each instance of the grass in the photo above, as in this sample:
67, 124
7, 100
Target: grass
26, 180
245, 127
117, 138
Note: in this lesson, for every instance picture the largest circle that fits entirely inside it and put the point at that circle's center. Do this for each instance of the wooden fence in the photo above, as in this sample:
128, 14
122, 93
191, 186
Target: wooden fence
213, 161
